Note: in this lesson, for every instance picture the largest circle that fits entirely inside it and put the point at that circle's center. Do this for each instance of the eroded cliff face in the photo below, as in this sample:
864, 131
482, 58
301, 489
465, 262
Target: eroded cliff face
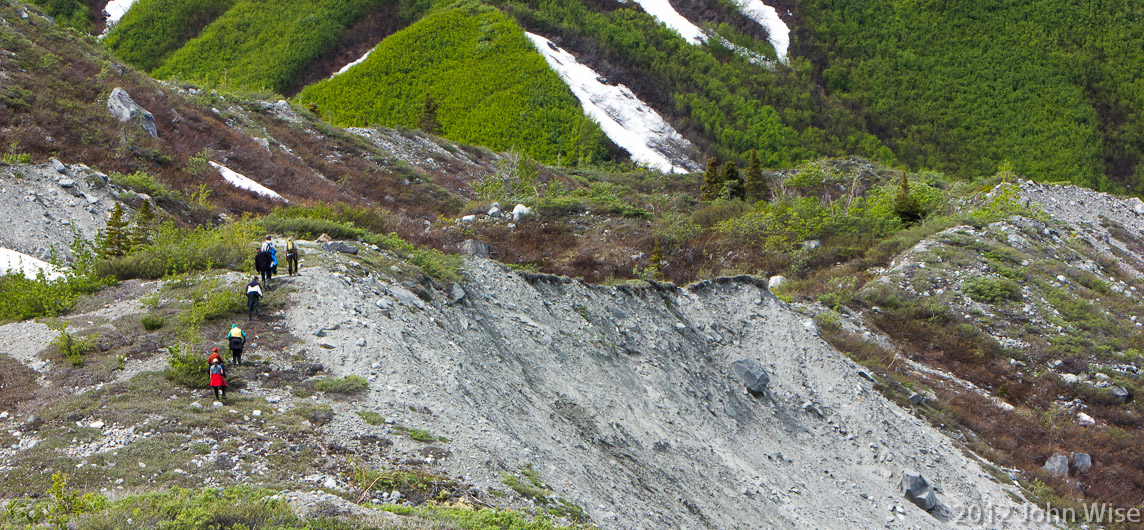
623, 399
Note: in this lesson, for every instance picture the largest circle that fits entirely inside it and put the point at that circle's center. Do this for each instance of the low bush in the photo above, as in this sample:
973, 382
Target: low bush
143, 183
350, 384
23, 298
177, 250
371, 417
152, 322
309, 227
73, 348
186, 366
992, 290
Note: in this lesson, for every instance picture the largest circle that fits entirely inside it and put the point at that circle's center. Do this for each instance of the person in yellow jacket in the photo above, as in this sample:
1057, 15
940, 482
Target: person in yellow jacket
292, 256
236, 339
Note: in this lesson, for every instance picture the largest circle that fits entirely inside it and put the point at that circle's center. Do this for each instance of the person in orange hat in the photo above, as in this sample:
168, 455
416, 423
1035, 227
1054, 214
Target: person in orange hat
215, 356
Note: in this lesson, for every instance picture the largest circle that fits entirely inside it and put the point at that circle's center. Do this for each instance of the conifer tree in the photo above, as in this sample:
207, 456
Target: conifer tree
116, 238
756, 188
906, 206
712, 181
142, 221
427, 120
732, 182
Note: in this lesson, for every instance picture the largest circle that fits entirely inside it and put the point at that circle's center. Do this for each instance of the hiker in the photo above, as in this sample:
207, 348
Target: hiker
267, 244
218, 378
273, 260
237, 339
215, 356
262, 262
291, 256
253, 297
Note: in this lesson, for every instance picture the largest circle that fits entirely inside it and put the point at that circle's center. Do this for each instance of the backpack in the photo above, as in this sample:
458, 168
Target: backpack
236, 343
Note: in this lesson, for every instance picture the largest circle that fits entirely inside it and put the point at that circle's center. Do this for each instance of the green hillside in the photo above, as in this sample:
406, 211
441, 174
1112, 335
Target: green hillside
491, 86
153, 29
263, 45
1051, 86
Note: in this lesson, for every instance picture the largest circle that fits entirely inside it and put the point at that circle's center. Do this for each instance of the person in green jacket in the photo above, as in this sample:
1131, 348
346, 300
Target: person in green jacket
237, 340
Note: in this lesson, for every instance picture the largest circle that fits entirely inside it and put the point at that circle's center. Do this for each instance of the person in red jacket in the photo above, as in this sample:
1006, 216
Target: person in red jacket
218, 378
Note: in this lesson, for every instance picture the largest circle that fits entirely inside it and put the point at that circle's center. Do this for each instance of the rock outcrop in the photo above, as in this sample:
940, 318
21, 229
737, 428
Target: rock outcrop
124, 109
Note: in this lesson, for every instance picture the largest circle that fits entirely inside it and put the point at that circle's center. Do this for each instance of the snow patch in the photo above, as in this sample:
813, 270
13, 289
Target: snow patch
662, 11
353, 64
768, 17
115, 10
242, 182
12, 261
631, 123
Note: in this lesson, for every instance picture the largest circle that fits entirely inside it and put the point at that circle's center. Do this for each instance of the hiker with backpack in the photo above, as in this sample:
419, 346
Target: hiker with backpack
262, 262
291, 256
237, 340
218, 377
268, 246
253, 297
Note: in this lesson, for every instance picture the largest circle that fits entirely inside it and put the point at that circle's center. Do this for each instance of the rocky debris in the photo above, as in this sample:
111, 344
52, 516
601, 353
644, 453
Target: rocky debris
320, 504
124, 109
918, 491
494, 210
520, 212
339, 246
58, 166
456, 294
752, 374
474, 247
1082, 463
41, 208
1058, 464
592, 372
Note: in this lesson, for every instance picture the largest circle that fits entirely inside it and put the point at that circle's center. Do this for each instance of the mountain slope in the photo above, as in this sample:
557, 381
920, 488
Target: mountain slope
261, 46
154, 29
491, 86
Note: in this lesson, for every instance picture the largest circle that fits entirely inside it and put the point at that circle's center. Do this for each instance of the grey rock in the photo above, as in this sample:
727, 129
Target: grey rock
224, 461
775, 282
918, 491
811, 244
124, 109
263, 142
1082, 463
66, 183
917, 399
361, 343
752, 374
1137, 205
520, 212
456, 294
474, 247
340, 246
406, 297
58, 166
1123, 395
196, 405
1057, 464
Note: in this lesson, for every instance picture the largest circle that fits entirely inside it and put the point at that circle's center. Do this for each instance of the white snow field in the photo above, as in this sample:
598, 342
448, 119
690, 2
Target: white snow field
115, 10
768, 17
662, 11
631, 123
242, 182
345, 68
12, 261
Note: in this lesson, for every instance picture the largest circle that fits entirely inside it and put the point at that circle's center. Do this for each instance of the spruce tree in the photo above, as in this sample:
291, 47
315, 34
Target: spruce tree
756, 185
427, 120
116, 239
712, 181
906, 206
142, 221
732, 182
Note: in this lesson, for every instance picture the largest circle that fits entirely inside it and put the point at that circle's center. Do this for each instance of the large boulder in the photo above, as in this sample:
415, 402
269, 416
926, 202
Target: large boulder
1137, 205
124, 109
340, 246
1058, 464
775, 282
1082, 463
752, 374
918, 491
520, 211
474, 247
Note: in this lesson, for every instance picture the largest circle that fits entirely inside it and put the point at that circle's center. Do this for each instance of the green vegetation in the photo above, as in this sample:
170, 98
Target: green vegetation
154, 29
175, 250
152, 322
142, 182
23, 298
992, 290
1050, 86
421, 435
69, 346
533, 488
486, 83
371, 417
262, 46
69, 13
350, 384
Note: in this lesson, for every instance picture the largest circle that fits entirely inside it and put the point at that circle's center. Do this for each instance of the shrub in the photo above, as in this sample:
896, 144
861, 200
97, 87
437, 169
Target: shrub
143, 183
73, 348
174, 250
371, 417
186, 367
152, 322
23, 298
991, 290
350, 384
153, 29
421, 435
309, 227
